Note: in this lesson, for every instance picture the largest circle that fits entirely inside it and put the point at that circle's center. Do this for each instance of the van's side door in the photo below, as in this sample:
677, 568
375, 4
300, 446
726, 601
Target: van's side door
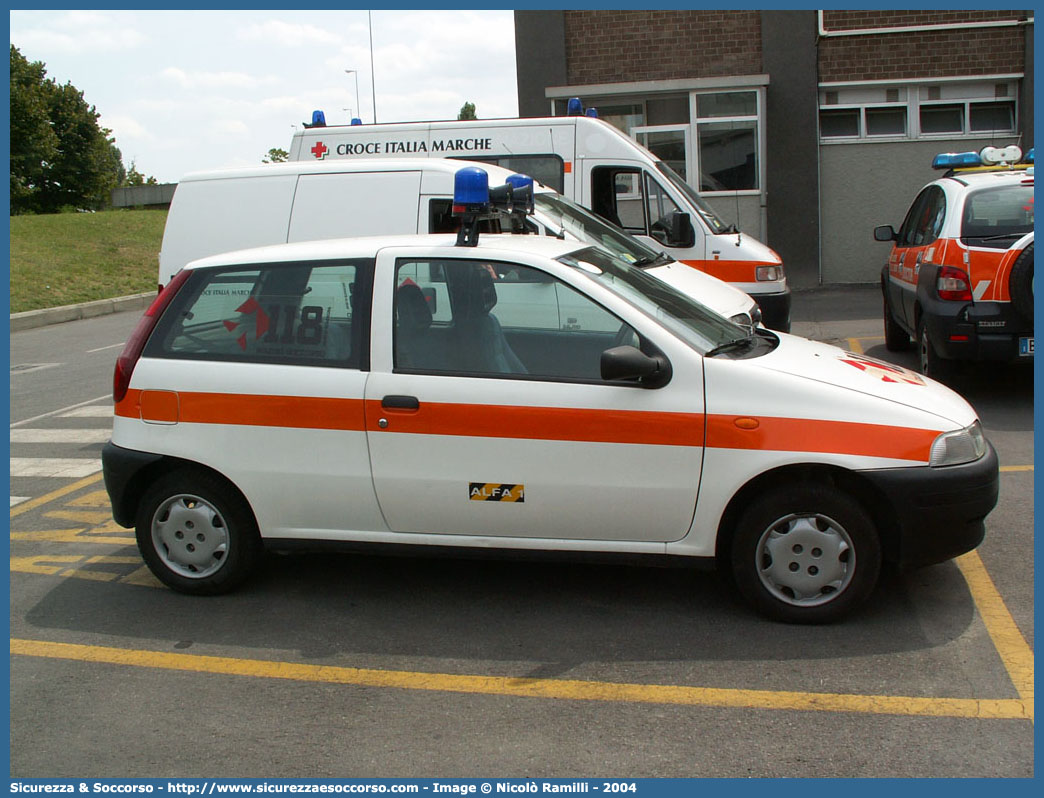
482, 427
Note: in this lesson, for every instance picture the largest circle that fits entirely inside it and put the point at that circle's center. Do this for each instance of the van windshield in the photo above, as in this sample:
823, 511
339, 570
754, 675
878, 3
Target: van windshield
697, 325
706, 212
584, 226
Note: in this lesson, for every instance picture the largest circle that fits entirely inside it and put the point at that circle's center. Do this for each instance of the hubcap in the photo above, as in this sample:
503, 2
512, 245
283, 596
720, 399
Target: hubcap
190, 536
805, 560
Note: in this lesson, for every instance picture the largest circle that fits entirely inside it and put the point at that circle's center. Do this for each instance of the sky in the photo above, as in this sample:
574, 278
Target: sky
188, 90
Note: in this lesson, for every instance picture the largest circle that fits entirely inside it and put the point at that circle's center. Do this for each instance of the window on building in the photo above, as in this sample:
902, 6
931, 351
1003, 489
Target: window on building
919, 111
727, 141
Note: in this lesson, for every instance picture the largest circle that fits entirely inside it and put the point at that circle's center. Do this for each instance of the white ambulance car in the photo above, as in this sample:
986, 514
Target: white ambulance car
306, 394
597, 166
228, 209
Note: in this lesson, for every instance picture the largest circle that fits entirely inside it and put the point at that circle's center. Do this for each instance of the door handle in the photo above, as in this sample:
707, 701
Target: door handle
398, 402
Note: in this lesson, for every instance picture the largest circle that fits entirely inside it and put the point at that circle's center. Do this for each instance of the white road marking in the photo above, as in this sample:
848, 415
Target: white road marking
26, 368
103, 348
60, 435
18, 500
91, 411
25, 421
53, 467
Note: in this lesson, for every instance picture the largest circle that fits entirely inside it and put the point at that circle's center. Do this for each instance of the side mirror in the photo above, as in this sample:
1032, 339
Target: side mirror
681, 233
884, 232
631, 364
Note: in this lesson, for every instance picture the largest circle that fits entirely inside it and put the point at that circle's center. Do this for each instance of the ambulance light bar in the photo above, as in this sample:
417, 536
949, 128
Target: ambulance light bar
356, 120
986, 157
474, 200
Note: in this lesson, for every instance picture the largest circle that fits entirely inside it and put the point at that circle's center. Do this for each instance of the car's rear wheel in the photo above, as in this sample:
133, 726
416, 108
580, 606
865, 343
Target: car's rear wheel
196, 533
930, 362
805, 554
896, 338
1020, 285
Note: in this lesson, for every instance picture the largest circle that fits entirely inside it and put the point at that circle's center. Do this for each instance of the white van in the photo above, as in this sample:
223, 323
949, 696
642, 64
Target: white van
230, 209
594, 164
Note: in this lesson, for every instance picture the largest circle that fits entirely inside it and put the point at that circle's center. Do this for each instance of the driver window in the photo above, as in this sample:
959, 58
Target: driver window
659, 207
498, 319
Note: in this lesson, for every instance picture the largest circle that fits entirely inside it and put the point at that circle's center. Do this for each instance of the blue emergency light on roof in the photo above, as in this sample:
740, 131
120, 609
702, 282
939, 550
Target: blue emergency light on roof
470, 187
1028, 157
592, 112
954, 160
521, 193
574, 107
318, 119
356, 120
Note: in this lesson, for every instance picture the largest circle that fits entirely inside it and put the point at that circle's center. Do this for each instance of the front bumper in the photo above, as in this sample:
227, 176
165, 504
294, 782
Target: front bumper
939, 512
775, 310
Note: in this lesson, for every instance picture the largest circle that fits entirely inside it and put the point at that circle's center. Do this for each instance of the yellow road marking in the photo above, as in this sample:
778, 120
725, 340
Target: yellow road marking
92, 517
96, 498
76, 536
1014, 652
1017, 468
531, 688
855, 345
54, 494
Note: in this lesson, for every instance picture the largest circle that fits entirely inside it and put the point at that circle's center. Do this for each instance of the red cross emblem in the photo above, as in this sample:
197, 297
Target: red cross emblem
320, 150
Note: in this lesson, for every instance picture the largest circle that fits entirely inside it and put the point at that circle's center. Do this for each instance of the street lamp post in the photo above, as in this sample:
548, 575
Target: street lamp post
356, 73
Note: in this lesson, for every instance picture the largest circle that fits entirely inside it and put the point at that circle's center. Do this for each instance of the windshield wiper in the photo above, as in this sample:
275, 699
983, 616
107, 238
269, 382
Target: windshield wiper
734, 344
996, 237
655, 260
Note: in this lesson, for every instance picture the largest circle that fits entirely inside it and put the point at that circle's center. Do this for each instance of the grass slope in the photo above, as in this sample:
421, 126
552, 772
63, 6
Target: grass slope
61, 259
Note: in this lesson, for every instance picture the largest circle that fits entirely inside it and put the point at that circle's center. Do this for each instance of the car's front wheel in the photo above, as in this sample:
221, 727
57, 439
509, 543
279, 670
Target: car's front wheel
196, 533
805, 554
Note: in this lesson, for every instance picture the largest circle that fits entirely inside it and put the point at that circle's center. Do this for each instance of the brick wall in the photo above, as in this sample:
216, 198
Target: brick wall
626, 46
920, 54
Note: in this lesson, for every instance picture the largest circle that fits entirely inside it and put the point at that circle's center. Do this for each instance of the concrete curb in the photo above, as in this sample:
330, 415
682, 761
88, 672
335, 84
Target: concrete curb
29, 319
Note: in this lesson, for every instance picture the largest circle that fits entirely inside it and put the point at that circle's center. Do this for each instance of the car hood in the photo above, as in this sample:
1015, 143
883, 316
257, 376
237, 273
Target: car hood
819, 362
716, 294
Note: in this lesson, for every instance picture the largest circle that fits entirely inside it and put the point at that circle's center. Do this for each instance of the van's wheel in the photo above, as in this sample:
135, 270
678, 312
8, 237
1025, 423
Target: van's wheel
196, 533
1020, 285
929, 361
805, 554
896, 338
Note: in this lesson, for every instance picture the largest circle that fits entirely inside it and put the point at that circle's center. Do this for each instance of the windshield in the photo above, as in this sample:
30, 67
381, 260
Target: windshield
701, 328
584, 226
994, 216
712, 219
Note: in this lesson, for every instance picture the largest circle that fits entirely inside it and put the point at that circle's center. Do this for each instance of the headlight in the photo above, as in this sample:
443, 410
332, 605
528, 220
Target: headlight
959, 446
768, 273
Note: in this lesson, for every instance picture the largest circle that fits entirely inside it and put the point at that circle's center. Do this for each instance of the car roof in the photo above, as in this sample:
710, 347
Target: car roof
978, 179
490, 245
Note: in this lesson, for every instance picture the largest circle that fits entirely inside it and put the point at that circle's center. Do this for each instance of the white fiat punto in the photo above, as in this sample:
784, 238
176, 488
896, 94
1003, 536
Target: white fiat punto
523, 393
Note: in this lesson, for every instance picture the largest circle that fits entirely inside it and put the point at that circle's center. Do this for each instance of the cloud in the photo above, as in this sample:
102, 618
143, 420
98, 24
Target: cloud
75, 33
215, 80
288, 34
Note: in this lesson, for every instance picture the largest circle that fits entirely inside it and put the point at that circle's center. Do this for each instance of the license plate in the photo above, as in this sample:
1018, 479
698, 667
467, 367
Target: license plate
1026, 347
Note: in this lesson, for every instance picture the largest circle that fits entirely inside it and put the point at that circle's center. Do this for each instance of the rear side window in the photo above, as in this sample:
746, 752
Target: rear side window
297, 314
546, 169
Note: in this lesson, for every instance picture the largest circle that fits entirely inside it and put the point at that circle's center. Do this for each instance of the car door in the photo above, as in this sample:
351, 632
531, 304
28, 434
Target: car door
484, 428
914, 242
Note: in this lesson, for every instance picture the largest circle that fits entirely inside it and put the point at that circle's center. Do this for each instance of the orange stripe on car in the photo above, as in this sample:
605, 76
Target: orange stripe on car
551, 423
731, 271
254, 410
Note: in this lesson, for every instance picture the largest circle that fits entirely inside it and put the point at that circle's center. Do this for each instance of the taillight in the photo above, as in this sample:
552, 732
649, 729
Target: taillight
125, 363
953, 284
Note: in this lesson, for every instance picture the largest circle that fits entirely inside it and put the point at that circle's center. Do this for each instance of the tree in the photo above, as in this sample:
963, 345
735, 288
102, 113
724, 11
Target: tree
276, 155
136, 178
73, 162
467, 111
33, 143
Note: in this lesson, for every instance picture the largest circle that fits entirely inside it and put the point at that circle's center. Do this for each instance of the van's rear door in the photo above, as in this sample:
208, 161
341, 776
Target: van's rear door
350, 204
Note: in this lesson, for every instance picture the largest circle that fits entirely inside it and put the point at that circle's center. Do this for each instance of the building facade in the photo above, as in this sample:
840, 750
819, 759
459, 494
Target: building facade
805, 128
